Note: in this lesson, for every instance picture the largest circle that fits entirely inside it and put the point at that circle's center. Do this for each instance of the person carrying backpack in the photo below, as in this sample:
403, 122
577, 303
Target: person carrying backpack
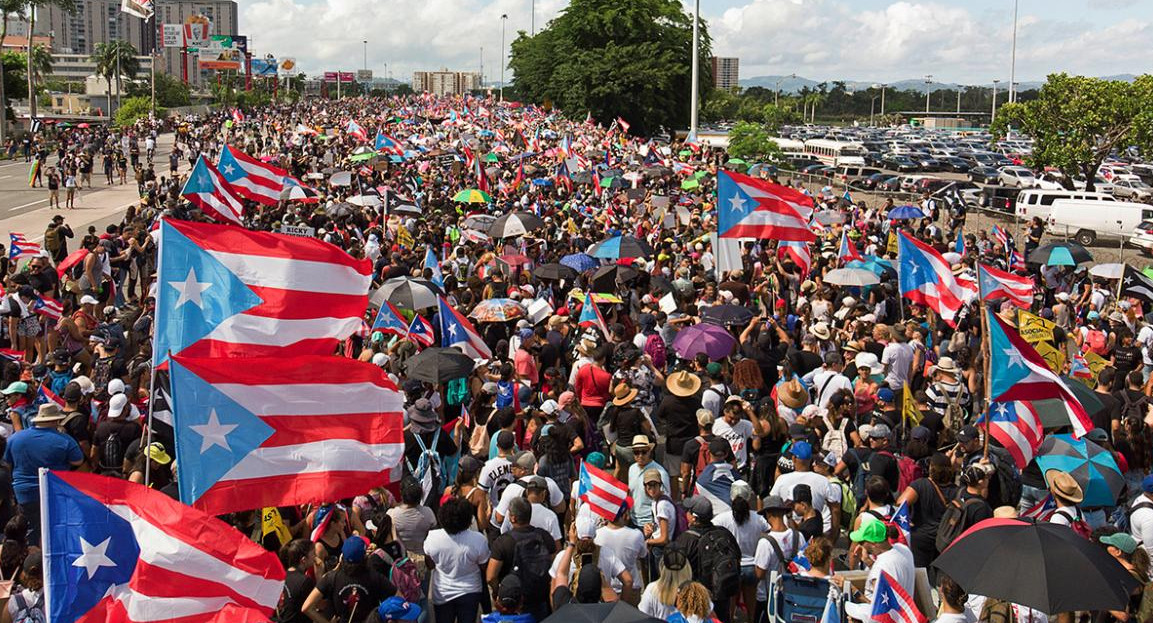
1067, 494
527, 552
713, 553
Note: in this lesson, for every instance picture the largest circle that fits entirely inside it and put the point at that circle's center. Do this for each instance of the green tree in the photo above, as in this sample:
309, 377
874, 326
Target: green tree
751, 142
610, 58
115, 60
135, 108
1076, 122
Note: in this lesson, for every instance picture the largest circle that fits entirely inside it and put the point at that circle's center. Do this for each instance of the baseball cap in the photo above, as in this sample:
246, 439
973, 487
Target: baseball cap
872, 532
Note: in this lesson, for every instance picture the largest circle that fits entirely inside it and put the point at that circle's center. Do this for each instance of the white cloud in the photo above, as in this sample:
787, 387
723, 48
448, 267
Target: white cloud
820, 39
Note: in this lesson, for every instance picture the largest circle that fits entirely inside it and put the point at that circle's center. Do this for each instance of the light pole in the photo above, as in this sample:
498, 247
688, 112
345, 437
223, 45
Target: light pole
993, 113
928, 82
1013, 58
777, 93
503, 19
696, 72
872, 103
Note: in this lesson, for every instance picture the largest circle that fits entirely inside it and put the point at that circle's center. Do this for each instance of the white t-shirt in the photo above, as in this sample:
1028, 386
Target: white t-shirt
747, 534
458, 558
738, 437
627, 545
651, 605
818, 484
543, 518
494, 477
766, 557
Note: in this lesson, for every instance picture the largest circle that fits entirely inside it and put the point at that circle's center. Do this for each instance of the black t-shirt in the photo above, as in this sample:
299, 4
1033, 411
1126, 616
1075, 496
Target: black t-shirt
354, 591
678, 414
297, 586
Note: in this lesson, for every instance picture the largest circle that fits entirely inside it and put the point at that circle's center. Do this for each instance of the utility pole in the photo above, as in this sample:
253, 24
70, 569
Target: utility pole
696, 72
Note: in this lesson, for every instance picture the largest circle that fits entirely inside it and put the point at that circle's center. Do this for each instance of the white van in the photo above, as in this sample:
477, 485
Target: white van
1036, 202
1086, 221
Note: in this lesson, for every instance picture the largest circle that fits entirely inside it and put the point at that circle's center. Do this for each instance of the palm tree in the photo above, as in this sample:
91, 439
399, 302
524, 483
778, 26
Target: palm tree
115, 59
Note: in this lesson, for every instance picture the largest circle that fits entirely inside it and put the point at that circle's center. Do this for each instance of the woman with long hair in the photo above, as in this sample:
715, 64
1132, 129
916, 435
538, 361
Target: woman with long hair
660, 596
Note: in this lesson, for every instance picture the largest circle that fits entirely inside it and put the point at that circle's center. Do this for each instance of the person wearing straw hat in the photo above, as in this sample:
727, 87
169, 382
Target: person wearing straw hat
42, 445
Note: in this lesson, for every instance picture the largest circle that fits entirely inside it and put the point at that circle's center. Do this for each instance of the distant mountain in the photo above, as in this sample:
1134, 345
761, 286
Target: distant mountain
791, 84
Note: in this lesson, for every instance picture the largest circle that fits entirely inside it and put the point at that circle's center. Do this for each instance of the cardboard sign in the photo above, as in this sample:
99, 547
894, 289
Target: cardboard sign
1033, 328
294, 230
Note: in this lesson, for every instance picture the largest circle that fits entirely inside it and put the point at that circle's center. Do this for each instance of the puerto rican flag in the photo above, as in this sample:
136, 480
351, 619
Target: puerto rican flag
389, 320
251, 178
1019, 373
848, 251
997, 284
799, 252
456, 330
207, 189
387, 144
892, 604
1017, 427
752, 208
281, 431
420, 331
354, 129
927, 279
119, 551
605, 495
48, 307
20, 247
231, 292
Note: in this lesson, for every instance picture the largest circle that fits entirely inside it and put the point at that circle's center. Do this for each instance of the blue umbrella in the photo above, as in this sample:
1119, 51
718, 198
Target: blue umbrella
905, 212
580, 262
1089, 464
618, 247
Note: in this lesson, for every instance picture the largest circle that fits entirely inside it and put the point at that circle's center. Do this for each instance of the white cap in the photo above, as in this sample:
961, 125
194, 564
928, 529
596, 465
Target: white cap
116, 405
115, 386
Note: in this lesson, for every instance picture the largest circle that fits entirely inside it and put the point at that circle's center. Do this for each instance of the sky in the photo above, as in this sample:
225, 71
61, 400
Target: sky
878, 40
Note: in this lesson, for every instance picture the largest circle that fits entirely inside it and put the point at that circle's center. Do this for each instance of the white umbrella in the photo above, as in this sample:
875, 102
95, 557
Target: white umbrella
365, 201
851, 277
1107, 271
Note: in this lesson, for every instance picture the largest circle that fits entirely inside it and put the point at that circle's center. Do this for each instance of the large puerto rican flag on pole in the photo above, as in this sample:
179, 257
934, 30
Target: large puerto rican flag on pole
752, 208
927, 279
121, 552
230, 292
210, 192
281, 431
251, 178
1019, 373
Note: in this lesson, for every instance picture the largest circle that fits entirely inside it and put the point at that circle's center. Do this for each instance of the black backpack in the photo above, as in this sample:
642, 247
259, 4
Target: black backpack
531, 562
719, 557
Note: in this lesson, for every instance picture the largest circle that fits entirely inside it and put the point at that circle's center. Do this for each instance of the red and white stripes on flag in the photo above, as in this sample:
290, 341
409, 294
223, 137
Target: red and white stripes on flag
605, 495
997, 284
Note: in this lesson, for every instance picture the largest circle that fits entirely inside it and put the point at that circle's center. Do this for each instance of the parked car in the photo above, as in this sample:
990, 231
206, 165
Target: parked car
1132, 190
984, 175
1018, 176
900, 163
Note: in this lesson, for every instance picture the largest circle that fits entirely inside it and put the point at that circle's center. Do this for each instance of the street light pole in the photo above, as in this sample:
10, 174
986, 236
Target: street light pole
993, 114
696, 72
503, 19
1013, 58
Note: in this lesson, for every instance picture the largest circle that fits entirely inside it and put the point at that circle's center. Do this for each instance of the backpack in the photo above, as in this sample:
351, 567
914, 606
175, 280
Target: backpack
1077, 523
428, 470
1097, 341
656, 349
1133, 408
29, 613
719, 557
112, 456
531, 562
952, 523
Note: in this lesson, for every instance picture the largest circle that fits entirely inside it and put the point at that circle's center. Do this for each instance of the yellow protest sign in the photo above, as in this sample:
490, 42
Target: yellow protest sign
1034, 328
1052, 356
893, 247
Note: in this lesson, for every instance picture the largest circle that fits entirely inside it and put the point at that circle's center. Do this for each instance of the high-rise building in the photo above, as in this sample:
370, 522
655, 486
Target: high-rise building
726, 72
445, 82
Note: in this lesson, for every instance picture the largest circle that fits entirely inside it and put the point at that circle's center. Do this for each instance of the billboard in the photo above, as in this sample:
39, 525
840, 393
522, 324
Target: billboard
220, 53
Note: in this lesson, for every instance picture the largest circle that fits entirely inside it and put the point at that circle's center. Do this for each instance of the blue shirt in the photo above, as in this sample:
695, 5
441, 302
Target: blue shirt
29, 450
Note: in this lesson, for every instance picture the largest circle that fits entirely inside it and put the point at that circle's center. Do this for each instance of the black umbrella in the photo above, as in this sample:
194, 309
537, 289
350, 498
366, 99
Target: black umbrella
727, 315
616, 612
408, 293
554, 272
1041, 565
439, 365
606, 278
1057, 254
514, 224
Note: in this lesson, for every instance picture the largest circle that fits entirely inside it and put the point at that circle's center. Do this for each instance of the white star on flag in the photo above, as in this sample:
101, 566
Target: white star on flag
190, 290
214, 433
93, 557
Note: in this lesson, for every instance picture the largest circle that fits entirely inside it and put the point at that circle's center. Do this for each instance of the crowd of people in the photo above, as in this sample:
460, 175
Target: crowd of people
787, 454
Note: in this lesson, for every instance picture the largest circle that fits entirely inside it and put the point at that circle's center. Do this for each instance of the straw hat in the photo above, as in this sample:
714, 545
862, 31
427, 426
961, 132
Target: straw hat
1064, 486
624, 394
683, 383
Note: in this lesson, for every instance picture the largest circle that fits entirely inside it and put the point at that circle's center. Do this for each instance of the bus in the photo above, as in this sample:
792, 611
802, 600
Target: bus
836, 153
